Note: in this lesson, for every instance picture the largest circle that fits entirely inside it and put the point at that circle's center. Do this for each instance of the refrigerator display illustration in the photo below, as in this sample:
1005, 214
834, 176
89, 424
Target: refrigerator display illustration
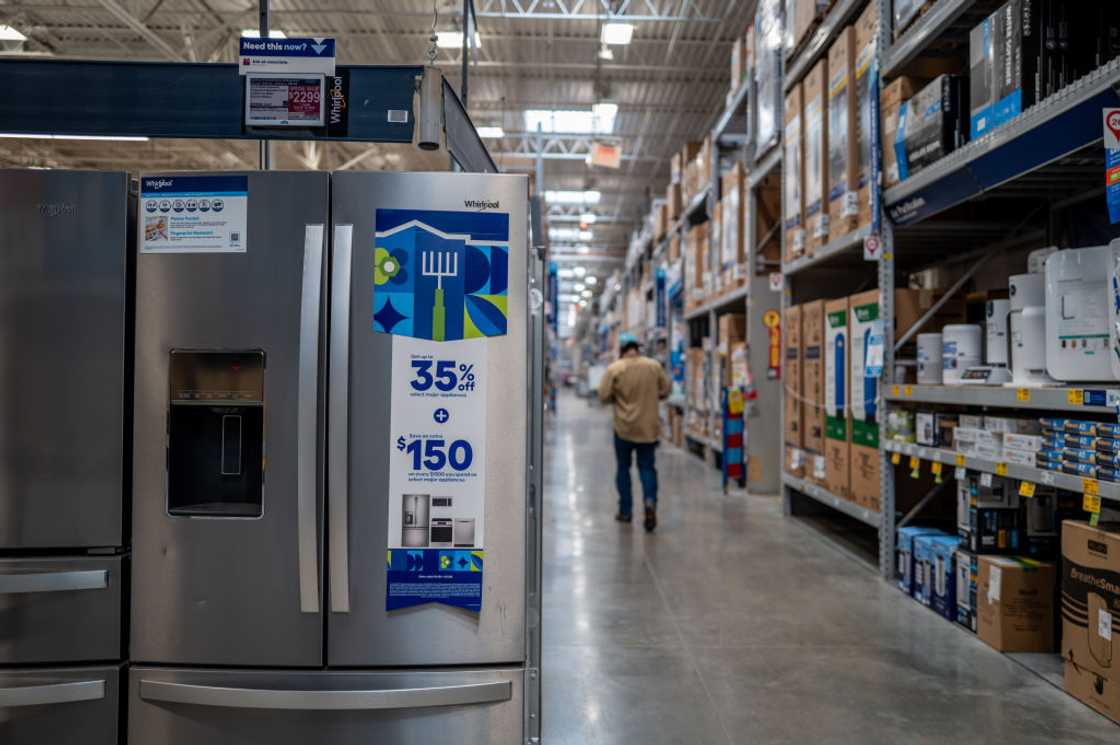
325, 348
65, 276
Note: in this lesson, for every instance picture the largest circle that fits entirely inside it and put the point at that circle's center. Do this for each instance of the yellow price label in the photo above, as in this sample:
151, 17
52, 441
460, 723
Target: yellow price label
896, 458
960, 460
907, 391
1075, 396
1026, 489
894, 390
935, 468
1092, 486
1092, 504
1001, 469
1023, 394
914, 462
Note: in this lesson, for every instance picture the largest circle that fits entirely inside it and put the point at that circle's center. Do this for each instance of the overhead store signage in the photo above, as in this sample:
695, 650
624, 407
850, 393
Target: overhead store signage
606, 155
285, 100
286, 56
1112, 162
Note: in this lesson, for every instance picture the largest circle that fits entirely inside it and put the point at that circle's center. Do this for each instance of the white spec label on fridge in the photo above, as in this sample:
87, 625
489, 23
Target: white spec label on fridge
193, 214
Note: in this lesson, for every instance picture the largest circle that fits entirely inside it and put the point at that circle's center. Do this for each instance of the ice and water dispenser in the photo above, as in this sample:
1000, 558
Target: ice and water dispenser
215, 459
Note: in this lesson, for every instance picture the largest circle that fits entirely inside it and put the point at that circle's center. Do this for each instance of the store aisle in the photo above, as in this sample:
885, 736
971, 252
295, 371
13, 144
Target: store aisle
733, 624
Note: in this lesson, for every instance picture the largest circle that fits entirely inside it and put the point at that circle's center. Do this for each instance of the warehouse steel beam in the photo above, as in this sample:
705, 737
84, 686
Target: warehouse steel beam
551, 147
119, 12
586, 10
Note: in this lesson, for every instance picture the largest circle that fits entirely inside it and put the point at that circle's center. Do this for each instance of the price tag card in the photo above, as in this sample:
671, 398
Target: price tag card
1023, 394
1091, 503
1001, 469
907, 391
895, 391
896, 458
1091, 486
985, 479
960, 460
935, 468
1026, 489
1075, 397
915, 462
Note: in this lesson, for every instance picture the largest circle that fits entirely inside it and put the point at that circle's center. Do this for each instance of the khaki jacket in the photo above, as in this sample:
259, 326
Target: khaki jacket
635, 385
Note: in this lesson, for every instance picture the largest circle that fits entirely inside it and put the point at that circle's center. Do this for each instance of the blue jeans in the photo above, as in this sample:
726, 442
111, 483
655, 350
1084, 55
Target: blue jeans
647, 472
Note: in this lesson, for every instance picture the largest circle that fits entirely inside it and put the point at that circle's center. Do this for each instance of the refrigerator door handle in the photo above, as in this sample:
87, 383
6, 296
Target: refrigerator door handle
53, 693
294, 700
307, 422
338, 451
94, 579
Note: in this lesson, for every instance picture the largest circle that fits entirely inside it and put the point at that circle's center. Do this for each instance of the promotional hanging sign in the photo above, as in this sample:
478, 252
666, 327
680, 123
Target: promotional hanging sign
440, 289
286, 56
193, 214
1112, 162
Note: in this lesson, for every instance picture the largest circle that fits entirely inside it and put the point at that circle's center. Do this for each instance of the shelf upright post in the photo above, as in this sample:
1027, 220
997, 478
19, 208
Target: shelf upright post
886, 310
787, 290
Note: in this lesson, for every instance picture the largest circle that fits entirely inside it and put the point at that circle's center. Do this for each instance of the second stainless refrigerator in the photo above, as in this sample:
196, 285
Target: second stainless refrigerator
268, 603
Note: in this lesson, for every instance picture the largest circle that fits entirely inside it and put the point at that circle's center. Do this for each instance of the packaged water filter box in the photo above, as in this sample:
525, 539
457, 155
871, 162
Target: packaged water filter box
943, 581
982, 75
966, 567
816, 157
791, 376
904, 547
843, 142
1017, 57
866, 40
812, 337
931, 124
793, 175
923, 563
1091, 614
837, 436
865, 334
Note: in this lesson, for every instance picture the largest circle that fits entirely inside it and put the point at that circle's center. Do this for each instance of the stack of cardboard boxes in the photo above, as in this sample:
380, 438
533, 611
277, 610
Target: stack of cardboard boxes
733, 229
802, 17
794, 391
827, 166
812, 405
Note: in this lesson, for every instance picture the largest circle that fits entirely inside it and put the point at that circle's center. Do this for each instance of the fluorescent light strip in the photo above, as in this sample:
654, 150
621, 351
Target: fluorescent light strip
101, 138
491, 133
617, 34
255, 33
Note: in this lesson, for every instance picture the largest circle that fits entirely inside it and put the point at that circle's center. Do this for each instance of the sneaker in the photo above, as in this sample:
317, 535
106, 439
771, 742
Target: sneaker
623, 517
651, 518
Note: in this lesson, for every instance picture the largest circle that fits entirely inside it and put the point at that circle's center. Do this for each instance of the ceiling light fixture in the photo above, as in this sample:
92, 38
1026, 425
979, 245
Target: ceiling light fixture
617, 34
491, 133
588, 218
454, 40
605, 53
103, 138
255, 33
597, 120
591, 279
572, 196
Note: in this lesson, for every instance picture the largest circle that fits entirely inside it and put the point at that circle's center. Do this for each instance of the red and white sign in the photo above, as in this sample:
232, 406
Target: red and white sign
606, 155
1112, 129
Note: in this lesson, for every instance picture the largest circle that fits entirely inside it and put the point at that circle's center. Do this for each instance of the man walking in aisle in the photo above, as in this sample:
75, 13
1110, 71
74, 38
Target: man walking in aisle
635, 383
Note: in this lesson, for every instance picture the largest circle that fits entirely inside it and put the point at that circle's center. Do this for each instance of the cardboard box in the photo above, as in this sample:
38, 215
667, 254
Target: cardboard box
673, 201
791, 376
816, 157
681, 159
932, 123
812, 356
905, 13
966, 565
837, 420
738, 63
767, 35
740, 370
1015, 604
923, 563
843, 139
865, 476
732, 330
674, 246
805, 15
897, 91
660, 220
795, 461
733, 217
943, 579
793, 174
1091, 614
867, 36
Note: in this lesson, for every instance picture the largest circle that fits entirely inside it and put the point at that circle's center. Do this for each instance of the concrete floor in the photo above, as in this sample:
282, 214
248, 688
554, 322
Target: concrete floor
733, 624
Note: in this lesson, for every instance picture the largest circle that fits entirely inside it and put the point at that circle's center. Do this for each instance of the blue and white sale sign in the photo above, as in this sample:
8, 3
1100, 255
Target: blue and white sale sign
193, 214
437, 473
286, 56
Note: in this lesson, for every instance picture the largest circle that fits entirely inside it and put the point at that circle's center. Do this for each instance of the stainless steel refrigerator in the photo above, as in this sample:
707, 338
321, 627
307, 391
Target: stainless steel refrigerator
261, 513
65, 275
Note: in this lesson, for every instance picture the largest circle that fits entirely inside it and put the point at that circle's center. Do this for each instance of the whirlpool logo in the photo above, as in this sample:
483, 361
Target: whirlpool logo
155, 184
338, 101
481, 204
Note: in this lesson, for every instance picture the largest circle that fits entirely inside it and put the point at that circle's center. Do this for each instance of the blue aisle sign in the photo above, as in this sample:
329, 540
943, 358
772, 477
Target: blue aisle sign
286, 56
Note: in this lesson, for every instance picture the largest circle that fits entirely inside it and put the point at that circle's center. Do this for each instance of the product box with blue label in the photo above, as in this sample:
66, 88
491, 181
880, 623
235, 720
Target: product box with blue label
943, 578
904, 546
837, 420
966, 566
923, 566
932, 124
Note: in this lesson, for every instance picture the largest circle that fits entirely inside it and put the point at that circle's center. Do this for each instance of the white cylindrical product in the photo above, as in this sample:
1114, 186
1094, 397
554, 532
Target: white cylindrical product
929, 359
995, 332
1028, 330
960, 350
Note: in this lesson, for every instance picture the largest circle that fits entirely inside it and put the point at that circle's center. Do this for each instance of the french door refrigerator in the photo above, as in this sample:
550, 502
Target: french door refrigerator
65, 274
273, 596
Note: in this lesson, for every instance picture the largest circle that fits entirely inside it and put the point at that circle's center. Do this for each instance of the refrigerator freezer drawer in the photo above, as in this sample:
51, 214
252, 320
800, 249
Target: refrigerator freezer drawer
185, 707
60, 706
58, 610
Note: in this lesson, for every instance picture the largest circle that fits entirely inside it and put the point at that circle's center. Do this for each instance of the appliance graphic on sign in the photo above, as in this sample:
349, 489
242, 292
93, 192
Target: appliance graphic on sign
441, 275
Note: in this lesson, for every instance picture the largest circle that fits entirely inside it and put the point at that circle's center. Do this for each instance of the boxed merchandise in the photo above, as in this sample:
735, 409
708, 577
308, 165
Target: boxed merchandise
1020, 457
738, 63
740, 372
767, 59
714, 285
866, 41
673, 201
1091, 614
966, 566
733, 231
995, 492
816, 157
837, 437
982, 73
843, 142
793, 175
1015, 604
804, 18
812, 364
1012, 425
732, 330
680, 161
795, 461
943, 577
894, 93
931, 124
1022, 442
934, 430
791, 375
901, 426
865, 472
674, 246
660, 220
904, 546
923, 566
971, 421
993, 531
964, 507
698, 171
